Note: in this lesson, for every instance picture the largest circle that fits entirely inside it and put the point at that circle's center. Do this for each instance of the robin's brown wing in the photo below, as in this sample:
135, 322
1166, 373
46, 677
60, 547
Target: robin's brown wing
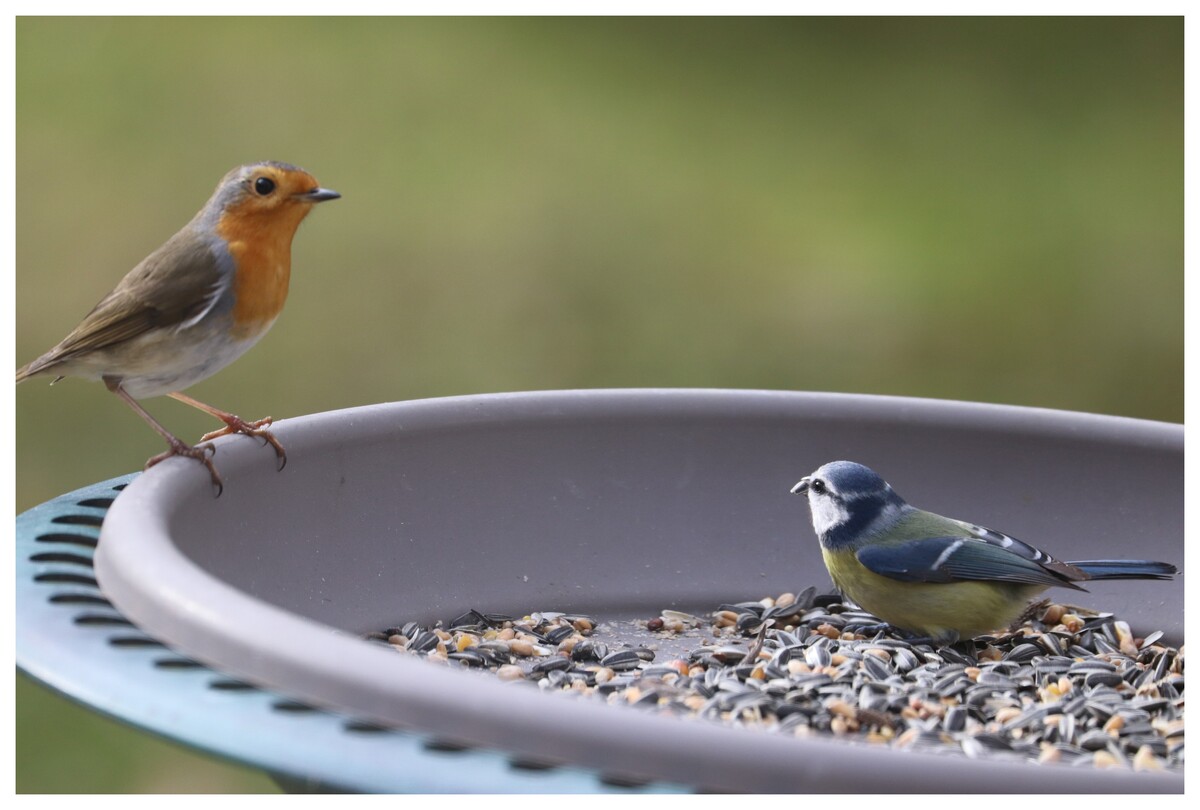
174, 284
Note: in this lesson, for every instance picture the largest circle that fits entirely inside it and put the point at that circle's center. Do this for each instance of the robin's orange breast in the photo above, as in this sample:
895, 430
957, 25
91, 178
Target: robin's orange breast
261, 248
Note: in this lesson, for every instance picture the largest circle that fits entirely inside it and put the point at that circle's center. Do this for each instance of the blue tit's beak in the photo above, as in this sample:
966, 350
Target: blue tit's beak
800, 487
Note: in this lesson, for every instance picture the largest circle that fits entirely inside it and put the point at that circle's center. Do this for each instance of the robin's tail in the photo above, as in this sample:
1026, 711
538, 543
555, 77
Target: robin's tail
43, 364
1126, 569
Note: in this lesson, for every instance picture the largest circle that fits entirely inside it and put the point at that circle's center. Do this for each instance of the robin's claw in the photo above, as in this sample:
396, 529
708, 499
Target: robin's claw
203, 454
280, 454
216, 434
257, 429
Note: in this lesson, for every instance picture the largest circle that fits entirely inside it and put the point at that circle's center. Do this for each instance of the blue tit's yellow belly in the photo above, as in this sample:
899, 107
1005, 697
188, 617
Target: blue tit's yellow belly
940, 610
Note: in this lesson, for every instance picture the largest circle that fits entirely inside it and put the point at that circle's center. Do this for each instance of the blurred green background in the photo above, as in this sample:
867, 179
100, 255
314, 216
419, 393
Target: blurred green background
978, 209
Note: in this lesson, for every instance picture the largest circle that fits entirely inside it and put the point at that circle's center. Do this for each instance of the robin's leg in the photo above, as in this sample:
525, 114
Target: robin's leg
236, 424
177, 445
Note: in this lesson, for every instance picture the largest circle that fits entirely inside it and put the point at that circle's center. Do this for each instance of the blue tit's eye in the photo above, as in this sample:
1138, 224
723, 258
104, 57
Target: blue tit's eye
264, 186
817, 485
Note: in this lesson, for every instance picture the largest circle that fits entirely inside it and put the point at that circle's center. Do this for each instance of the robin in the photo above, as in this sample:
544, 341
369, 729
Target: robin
196, 304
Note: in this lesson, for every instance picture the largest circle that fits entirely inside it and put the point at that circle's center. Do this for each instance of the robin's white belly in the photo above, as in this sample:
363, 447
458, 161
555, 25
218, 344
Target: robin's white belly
154, 364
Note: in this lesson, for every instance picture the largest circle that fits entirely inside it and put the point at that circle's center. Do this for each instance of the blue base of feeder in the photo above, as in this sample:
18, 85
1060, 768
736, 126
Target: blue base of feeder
72, 640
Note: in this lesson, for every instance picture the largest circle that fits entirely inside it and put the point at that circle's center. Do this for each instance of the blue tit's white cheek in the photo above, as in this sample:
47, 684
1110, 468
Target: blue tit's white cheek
826, 512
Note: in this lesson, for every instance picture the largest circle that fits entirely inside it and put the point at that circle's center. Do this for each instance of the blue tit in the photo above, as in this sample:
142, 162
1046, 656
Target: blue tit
933, 575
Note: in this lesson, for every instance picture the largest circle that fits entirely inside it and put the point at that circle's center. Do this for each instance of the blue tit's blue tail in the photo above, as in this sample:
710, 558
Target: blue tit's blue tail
1125, 569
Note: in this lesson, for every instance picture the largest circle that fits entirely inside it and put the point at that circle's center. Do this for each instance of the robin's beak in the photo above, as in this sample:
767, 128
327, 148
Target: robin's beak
801, 487
318, 195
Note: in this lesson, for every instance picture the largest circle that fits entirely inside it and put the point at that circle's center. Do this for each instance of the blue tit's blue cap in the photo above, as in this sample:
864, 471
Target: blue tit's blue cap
851, 479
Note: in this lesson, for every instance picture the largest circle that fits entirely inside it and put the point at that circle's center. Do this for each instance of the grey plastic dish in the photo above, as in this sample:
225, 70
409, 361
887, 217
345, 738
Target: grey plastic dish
615, 503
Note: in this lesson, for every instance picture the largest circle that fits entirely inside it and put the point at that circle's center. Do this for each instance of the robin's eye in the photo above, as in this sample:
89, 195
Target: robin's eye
264, 185
817, 485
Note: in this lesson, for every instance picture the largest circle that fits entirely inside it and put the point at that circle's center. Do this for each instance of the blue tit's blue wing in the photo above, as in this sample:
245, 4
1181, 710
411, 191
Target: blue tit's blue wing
952, 559
1023, 550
